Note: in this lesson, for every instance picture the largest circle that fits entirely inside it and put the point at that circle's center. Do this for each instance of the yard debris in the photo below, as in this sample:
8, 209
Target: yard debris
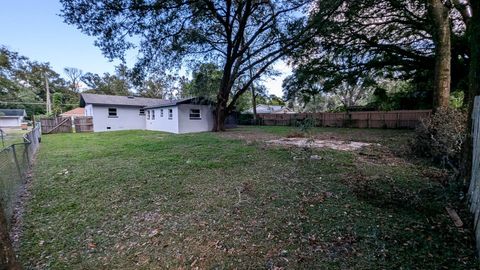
453, 214
314, 143
63, 172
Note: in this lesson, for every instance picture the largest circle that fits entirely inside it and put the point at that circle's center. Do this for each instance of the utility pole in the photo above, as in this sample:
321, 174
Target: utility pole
254, 100
47, 90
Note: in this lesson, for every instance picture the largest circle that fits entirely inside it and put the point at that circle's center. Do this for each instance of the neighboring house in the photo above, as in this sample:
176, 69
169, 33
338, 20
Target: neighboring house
263, 108
128, 113
12, 118
77, 112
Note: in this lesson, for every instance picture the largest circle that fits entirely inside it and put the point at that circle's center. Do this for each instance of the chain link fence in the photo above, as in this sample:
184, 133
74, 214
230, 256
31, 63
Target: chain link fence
15, 161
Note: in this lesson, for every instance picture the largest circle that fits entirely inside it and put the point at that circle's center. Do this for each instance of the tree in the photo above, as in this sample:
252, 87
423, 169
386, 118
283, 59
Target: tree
443, 52
22, 83
206, 80
153, 88
74, 74
57, 100
109, 84
240, 36
396, 39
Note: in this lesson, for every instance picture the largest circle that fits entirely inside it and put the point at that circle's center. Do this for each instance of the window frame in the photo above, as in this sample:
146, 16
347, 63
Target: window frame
161, 112
170, 114
194, 113
153, 114
141, 112
148, 114
110, 114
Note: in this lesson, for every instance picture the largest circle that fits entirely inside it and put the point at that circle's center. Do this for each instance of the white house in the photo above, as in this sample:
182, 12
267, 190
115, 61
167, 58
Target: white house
128, 113
12, 118
263, 108
181, 116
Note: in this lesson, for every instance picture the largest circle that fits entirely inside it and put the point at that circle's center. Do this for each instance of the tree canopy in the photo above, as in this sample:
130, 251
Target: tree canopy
393, 39
243, 37
22, 84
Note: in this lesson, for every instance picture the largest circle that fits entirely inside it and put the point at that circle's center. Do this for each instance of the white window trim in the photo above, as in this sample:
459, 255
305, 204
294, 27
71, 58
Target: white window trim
153, 114
148, 114
195, 118
112, 116
170, 114
161, 112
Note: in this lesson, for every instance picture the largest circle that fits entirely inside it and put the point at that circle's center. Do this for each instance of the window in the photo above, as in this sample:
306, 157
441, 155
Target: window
148, 114
161, 112
195, 114
153, 114
112, 112
170, 114
142, 112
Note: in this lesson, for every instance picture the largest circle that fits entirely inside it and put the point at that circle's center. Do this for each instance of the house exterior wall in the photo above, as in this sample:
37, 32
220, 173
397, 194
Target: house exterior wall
89, 110
163, 123
187, 125
11, 121
128, 118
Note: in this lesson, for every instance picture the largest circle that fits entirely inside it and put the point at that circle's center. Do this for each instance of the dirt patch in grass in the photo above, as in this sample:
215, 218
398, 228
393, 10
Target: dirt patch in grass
332, 144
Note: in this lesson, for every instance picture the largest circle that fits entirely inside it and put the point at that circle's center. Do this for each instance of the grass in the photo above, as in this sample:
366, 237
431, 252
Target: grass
12, 136
141, 199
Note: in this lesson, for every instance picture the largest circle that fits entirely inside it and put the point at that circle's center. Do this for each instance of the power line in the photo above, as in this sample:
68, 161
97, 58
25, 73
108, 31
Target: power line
34, 103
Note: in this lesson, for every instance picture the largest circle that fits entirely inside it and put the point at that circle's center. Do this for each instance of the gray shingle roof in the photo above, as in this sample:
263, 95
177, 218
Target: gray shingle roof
12, 112
195, 100
120, 100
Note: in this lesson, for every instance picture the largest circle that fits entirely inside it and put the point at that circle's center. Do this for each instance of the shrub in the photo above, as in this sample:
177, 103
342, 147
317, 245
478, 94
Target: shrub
305, 125
441, 136
245, 119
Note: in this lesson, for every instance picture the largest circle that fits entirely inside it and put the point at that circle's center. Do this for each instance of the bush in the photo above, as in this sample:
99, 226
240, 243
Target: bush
245, 119
441, 136
305, 125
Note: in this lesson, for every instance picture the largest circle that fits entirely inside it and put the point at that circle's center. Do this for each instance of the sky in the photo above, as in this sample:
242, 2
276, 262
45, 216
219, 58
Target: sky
34, 29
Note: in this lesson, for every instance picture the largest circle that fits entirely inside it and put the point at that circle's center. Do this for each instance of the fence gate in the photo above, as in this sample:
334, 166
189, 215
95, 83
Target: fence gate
56, 125
83, 124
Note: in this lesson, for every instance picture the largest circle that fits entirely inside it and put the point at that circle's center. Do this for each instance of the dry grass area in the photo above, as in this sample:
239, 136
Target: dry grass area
150, 200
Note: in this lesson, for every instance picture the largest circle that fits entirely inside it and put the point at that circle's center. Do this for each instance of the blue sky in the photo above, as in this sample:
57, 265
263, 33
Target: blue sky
34, 29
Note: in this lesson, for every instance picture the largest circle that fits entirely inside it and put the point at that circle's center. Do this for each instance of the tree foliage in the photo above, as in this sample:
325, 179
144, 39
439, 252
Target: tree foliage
391, 39
206, 80
22, 84
239, 36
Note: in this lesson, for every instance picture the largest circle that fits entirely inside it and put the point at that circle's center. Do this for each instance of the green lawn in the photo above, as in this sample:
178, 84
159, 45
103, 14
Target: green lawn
12, 136
141, 199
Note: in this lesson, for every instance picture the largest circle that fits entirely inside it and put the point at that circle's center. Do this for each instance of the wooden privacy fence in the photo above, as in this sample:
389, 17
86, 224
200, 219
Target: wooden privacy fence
56, 125
83, 124
372, 119
474, 189
64, 124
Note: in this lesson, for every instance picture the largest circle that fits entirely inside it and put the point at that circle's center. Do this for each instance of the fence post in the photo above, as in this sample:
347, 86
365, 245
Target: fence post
16, 161
3, 141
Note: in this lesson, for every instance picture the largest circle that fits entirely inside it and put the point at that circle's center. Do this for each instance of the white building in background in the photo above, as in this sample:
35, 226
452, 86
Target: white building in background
12, 118
128, 113
263, 108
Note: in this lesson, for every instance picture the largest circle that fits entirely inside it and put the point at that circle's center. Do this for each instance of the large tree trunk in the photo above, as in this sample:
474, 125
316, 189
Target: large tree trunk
220, 113
442, 39
473, 32
222, 98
